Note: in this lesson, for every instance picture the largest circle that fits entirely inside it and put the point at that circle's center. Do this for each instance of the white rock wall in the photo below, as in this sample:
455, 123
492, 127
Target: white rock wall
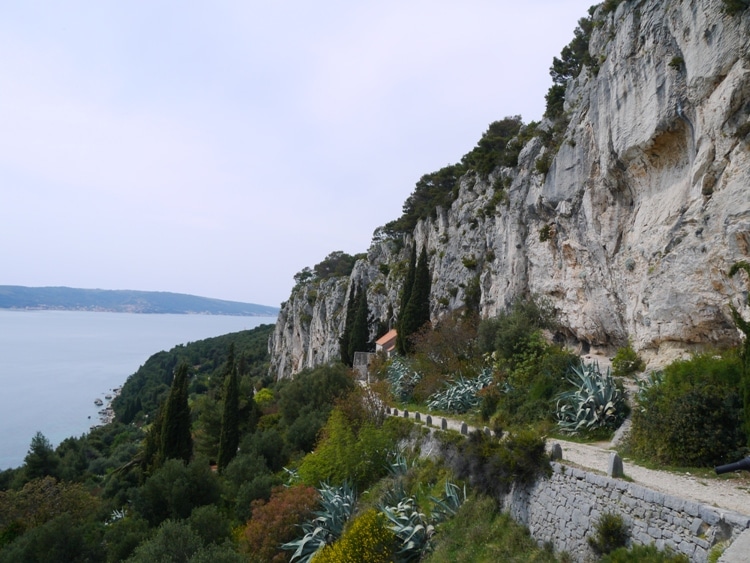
647, 204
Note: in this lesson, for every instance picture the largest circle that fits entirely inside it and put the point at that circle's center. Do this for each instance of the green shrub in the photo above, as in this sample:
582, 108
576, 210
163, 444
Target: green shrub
367, 540
492, 467
627, 362
733, 7
480, 532
643, 554
610, 5
611, 533
489, 400
694, 416
677, 63
175, 489
175, 540
543, 163
345, 454
508, 335
492, 149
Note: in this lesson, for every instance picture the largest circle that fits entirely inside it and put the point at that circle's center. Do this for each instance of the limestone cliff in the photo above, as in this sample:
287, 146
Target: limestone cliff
631, 228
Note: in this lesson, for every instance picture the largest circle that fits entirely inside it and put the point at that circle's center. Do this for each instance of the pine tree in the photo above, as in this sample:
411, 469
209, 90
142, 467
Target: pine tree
229, 438
401, 341
360, 333
41, 460
176, 440
417, 312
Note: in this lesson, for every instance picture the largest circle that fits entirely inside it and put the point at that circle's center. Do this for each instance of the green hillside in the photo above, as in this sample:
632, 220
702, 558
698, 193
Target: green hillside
124, 301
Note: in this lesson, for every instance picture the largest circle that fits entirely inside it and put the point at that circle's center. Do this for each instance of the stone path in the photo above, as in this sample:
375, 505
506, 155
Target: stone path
731, 493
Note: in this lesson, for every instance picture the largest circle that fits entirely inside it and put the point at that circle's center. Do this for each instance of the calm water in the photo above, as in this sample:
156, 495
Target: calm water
54, 364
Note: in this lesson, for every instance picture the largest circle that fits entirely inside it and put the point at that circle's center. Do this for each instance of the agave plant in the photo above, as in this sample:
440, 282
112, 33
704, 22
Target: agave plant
413, 528
595, 402
336, 507
402, 378
462, 394
653, 379
398, 464
447, 506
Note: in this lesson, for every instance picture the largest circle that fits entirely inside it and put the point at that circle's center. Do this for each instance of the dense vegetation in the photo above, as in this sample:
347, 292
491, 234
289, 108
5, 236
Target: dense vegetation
337, 264
318, 471
498, 146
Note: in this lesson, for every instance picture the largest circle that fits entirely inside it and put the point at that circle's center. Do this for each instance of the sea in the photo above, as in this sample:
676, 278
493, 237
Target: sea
55, 364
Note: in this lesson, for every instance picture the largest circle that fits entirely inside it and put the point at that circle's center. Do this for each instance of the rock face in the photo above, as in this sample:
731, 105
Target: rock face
631, 230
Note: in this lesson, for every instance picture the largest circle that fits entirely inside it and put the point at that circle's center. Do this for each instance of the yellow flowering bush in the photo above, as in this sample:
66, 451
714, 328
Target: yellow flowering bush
367, 540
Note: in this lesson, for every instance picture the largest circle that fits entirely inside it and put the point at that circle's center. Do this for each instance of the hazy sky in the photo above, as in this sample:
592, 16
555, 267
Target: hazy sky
216, 148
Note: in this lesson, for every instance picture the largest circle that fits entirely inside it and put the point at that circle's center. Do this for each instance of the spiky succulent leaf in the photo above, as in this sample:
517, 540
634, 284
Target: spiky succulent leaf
336, 506
402, 378
460, 395
594, 402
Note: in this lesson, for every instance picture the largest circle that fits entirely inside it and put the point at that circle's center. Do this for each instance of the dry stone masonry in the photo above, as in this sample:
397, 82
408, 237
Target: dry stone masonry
565, 508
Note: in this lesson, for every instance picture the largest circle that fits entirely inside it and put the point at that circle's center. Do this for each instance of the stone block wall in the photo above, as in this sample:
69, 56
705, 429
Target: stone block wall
564, 510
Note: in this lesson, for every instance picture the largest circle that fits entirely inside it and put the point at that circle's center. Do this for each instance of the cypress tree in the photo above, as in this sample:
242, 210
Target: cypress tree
345, 338
176, 441
229, 438
360, 333
152, 444
417, 312
401, 337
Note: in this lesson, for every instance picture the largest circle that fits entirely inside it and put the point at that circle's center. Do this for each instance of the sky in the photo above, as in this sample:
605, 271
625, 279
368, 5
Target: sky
217, 148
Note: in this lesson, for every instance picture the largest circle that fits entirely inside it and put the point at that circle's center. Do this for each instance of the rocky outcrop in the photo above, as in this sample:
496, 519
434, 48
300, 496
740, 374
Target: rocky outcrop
631, 229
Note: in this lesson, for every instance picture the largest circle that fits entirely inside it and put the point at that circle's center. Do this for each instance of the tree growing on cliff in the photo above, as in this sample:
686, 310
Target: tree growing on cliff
229, 438
176, 440
345, 338
401, 343
360, 335
417, 312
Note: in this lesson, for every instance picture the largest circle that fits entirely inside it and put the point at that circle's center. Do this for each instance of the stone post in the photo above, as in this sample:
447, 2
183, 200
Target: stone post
615, 466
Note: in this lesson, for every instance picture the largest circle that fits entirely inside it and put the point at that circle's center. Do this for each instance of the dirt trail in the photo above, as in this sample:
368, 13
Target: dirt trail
731, 492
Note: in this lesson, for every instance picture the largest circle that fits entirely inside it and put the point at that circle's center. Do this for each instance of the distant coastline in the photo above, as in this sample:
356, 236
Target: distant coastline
22, 298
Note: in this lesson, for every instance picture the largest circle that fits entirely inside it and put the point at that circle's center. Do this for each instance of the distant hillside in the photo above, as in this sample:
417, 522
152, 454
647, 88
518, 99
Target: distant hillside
124, 301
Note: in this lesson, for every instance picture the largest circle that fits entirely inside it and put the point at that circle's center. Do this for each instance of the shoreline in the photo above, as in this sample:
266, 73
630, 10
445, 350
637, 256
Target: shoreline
107, 414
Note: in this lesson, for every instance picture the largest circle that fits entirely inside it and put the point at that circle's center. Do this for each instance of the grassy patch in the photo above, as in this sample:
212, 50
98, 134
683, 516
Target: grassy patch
480, 533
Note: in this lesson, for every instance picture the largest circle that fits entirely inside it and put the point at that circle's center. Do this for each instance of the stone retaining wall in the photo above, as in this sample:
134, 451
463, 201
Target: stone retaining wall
565, 509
